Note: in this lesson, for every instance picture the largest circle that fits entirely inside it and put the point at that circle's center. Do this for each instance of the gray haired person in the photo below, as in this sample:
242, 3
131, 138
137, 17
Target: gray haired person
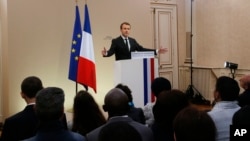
50, 108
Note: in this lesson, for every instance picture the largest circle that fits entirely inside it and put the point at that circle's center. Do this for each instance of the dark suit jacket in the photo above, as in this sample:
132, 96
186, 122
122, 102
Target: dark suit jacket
143, 130
55, 131
137, 114
244, 98
121, 51
21, 125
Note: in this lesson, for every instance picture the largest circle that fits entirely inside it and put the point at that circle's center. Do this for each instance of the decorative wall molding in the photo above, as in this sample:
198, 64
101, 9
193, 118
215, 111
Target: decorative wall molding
164, 1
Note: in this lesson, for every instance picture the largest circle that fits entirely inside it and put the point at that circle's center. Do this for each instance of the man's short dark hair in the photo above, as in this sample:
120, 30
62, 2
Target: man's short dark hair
228, 88
50, 103
31, 85
126, 90
160, 84
124, 23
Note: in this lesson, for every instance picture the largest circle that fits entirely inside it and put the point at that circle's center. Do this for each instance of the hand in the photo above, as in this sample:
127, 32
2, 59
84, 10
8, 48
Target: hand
163, 50
104, 52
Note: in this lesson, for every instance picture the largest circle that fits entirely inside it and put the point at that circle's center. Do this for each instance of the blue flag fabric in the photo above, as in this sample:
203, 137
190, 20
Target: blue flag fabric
87, 27
76, 46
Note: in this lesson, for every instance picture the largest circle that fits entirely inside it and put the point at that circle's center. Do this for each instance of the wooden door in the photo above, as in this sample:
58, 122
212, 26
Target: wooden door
164, 23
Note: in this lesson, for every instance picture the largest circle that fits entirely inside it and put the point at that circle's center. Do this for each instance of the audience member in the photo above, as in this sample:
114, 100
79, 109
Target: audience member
49, 109
240, 121
244, 98
135, 113
158, 85
86, 113
119, 131
23, 124
168, 104
191, 124
225, 95
242, 116
116, 104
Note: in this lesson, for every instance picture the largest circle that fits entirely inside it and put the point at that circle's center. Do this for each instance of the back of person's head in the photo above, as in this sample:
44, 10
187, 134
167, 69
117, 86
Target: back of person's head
116, 103
160, 84
50, 103
245, 81
86, 113
119, 131
84, 101
126, 90
167, 105
242, 116
190, 124
31, 85
227, 88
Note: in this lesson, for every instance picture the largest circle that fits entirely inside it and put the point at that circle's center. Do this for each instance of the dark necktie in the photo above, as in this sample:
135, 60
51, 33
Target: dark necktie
126, 43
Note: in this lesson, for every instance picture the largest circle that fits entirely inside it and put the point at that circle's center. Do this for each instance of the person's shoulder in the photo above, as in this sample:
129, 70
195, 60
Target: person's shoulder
131, 39
117, 38
137, 109
94, 133
142, 129
138, 125
14, 117
30, 139
22, 115
148, 106
77, 136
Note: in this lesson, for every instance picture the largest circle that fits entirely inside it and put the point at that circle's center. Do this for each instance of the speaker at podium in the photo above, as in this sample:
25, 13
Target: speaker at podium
138, 73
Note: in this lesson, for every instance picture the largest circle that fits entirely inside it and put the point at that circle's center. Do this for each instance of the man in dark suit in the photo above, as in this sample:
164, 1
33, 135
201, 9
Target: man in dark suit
244, 98
116, 104
123, 45
23, 124
135, 113
49, 109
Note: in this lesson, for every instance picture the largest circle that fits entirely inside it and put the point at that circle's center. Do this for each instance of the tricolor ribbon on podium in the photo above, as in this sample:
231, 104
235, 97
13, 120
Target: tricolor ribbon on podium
148, 76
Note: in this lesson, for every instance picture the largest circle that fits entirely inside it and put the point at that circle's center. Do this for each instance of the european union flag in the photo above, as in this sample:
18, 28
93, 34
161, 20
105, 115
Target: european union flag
76, 46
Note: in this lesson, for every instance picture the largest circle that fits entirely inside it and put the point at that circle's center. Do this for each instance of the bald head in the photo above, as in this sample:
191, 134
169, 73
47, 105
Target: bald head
245, 82
116, 102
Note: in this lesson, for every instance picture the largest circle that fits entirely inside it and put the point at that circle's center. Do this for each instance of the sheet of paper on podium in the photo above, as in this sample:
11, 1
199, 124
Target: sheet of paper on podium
142, 54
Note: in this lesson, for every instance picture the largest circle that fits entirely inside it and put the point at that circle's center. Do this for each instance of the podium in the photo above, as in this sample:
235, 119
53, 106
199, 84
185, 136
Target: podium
137, 74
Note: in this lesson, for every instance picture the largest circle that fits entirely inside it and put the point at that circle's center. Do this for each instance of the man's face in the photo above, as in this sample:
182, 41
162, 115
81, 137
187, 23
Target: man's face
125, 30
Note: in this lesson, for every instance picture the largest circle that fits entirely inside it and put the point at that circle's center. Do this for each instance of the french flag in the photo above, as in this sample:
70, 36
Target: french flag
86, 63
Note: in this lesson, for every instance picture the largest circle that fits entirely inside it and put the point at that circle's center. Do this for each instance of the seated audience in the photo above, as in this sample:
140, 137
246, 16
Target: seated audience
116, 104
191, 124
23, 124
135, 113
168, 104
244, 98
158, 85
86, 113
49, 109
119, 131
225, 95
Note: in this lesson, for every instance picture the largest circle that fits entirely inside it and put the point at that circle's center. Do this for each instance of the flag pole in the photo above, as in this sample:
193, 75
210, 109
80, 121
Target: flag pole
76, 88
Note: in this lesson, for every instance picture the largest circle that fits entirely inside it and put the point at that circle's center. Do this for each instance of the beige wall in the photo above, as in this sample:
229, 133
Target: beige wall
222, 32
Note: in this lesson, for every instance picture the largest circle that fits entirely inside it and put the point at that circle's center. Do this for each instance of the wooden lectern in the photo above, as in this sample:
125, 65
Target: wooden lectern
137, 74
